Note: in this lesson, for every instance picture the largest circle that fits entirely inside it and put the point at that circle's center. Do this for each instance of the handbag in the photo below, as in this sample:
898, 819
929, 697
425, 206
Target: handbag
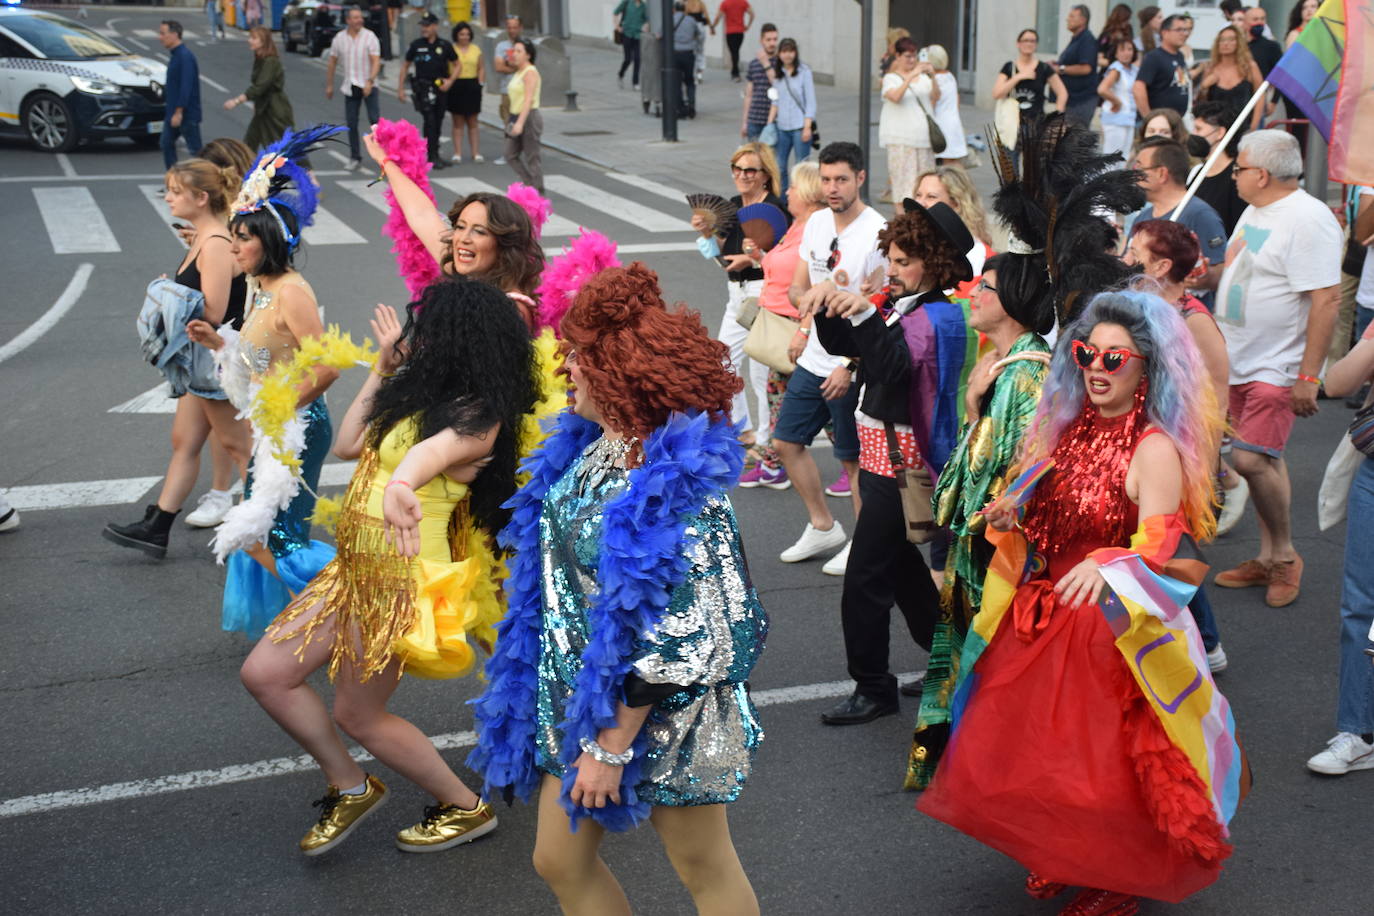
1361, 430
937, 136
769, 134
768, 340
1006, 119
618, 36
917, 491
1334, 493
815, 134
747, 312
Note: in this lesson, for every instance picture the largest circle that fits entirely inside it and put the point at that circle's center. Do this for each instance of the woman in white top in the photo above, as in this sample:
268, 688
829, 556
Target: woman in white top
1118, 101
908, 92
946, 113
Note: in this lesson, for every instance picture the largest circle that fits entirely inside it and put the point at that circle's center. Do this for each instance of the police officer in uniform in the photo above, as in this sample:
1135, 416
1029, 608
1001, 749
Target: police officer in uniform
432, 57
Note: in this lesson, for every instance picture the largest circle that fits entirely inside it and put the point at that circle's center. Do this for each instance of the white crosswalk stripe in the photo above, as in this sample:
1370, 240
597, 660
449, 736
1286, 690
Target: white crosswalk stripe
648, 184
330, 230
370, 193
557, 226
74, 222
646, 218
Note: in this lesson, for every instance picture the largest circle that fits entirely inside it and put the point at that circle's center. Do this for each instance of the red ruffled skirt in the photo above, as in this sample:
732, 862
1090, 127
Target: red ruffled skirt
1059, 762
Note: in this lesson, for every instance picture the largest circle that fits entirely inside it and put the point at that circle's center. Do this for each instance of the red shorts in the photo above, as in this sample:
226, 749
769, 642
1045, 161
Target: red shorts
1261, 417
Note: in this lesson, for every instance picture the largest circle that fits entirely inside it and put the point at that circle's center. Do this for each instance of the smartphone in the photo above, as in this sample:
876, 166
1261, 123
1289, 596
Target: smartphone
722, 260
181, 227
923, 56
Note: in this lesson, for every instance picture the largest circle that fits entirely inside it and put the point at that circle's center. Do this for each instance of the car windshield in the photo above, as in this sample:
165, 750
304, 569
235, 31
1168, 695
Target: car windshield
58, 39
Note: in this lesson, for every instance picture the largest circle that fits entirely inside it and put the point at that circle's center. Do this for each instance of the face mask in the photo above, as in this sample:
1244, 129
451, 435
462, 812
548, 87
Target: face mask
1257, 31
1198, 147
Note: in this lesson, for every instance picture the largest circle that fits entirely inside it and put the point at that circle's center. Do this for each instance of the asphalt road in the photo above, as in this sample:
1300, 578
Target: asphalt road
113, 668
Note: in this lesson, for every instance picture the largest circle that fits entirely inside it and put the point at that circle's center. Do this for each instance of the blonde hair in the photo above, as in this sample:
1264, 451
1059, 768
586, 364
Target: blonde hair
967, 203
218, 184
937, 57
806, 178
895, 33
766, 159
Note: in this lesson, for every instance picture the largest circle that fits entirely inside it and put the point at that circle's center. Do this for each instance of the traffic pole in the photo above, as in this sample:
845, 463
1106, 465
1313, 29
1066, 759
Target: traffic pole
671, 87
865, 84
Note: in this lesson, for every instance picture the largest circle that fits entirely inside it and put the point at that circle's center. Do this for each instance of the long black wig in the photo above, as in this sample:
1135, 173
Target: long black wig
470, 365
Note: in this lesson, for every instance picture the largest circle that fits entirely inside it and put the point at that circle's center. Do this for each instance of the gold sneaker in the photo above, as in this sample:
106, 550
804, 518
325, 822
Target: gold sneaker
339, 814
445, 826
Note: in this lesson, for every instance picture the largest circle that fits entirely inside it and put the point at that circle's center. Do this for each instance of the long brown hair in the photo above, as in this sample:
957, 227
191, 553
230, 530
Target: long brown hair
1149, 38
519, 258
1243, 58
266, 46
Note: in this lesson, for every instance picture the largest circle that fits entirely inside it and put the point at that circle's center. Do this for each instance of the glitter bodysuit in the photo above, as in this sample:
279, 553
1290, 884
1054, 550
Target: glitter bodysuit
702, 737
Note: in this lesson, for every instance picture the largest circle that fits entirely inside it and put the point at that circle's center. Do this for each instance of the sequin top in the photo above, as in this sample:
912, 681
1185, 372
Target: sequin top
265, 338
702, 738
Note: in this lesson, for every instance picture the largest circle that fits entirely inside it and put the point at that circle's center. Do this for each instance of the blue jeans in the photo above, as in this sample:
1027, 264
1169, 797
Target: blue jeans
1201, 609
752, 130
352, 102
216, 21
1362, 318
1355, 702
190, 130
788, 141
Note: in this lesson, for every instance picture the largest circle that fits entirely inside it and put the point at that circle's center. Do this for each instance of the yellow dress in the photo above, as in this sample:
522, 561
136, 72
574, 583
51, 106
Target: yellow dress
421, 610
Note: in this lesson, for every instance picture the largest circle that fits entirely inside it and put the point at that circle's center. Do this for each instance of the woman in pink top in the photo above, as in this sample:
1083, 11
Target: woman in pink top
804, 197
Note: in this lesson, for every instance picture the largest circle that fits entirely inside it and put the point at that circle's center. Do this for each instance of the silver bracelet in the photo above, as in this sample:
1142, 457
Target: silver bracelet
601, 755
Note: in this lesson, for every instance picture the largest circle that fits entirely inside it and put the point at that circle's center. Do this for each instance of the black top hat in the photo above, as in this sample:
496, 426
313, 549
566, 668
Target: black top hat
429, 19
950, 228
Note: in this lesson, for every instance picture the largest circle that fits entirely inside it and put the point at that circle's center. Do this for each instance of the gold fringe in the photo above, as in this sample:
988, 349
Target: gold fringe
367, 589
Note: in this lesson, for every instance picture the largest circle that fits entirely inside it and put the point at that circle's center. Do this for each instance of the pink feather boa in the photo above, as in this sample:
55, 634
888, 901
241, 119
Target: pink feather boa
535, 204
403, 145
589, 254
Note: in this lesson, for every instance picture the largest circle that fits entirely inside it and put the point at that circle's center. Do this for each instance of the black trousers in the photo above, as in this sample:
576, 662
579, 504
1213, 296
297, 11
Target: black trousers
631, 48
884, 569
686, 62
733, 40
432, 122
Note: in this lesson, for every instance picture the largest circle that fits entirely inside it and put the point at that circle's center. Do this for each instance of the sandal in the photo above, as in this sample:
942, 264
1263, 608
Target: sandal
1092, 902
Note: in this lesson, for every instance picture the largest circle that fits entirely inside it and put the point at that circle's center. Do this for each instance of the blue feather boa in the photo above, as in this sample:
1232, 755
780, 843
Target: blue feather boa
643, 560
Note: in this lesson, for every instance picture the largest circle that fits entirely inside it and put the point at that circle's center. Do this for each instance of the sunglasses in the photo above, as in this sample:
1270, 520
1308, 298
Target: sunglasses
747, 173
834, 260
1113, 359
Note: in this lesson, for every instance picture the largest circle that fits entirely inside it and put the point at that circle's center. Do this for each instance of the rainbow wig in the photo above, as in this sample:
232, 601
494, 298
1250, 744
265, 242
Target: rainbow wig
1180, 400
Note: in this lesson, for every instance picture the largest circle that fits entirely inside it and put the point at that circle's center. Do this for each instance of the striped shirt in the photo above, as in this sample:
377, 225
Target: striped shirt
356, 55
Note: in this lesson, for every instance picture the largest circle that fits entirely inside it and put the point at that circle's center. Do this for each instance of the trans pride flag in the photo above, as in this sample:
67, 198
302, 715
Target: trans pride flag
1329, 75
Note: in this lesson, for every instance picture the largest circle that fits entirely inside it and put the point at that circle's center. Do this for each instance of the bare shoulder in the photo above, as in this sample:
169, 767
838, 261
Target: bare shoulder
1156, 452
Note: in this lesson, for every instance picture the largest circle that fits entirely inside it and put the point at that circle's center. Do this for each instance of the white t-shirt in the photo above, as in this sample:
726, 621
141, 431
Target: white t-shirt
856, 243
904, 122
1276, 257
355, 56
946, 114
1364, 296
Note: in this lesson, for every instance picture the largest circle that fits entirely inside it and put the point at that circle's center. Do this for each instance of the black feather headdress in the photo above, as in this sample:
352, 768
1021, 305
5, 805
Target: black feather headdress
1055, 205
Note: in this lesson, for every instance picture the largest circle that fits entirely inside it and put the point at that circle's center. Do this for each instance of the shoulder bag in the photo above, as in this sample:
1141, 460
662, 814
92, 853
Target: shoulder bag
769, 337
917, 491
937, 136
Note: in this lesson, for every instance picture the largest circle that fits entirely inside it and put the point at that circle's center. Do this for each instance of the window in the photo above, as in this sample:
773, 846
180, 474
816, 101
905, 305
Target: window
1049, 22
58, 39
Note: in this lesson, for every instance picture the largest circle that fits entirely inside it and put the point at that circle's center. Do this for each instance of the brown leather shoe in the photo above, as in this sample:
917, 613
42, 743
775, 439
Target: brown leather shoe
1284, 579
1247, 575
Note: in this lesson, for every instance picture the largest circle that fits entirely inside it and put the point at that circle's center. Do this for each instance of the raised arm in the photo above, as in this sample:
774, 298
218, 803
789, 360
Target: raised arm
424, 220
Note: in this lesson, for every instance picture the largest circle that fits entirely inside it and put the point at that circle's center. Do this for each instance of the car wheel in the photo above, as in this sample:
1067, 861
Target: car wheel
49, 123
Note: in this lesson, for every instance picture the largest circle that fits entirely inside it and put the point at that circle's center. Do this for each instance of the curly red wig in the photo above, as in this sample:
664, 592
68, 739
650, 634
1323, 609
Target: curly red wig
641, 360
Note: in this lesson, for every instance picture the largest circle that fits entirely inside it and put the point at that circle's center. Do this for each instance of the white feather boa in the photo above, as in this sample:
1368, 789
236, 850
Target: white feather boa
274, 483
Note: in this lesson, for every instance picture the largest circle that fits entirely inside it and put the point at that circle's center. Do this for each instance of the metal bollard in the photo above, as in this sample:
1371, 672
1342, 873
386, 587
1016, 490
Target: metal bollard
572, 101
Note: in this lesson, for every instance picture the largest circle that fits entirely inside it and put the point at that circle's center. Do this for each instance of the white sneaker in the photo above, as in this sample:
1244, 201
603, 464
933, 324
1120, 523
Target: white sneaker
1233, 506
814, 542
9, 519
1343, 753
1216, 659
835, 565
210, 510
478, 158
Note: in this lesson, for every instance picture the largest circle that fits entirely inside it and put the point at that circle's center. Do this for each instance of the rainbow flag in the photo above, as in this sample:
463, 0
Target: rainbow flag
1309, 73
1351, 153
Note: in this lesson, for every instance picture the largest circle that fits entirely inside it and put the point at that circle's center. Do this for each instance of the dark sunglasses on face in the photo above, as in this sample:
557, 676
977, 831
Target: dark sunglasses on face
747, 173
1113, 359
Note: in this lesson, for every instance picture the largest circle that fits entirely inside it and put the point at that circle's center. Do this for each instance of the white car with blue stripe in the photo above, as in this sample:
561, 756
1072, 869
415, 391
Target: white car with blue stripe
62, 83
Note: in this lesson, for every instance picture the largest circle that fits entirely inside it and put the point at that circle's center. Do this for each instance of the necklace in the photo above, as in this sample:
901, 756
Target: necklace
601, 457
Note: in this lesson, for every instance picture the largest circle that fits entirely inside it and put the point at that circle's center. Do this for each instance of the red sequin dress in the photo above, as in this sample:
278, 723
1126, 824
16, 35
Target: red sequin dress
1058, 760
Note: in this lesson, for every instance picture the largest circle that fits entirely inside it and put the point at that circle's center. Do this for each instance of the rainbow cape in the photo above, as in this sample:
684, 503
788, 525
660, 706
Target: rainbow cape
943, 351
1149, 586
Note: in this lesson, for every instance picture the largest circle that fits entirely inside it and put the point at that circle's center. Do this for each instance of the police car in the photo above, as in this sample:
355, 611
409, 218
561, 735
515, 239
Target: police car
62, 83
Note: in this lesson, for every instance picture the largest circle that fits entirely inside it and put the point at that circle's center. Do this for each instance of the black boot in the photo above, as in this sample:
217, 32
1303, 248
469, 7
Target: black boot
148, 535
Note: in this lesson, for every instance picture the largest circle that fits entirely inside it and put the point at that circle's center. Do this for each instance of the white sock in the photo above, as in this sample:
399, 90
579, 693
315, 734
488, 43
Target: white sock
359, 789
220, 492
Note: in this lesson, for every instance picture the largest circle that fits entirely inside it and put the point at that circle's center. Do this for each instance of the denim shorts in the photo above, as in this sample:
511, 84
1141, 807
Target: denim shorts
805, 412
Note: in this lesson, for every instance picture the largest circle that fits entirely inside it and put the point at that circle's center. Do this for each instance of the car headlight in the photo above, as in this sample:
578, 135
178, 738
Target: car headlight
94, 87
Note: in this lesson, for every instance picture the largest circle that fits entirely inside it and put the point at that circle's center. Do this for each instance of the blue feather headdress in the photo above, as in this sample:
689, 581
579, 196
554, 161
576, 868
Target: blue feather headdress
277, 179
